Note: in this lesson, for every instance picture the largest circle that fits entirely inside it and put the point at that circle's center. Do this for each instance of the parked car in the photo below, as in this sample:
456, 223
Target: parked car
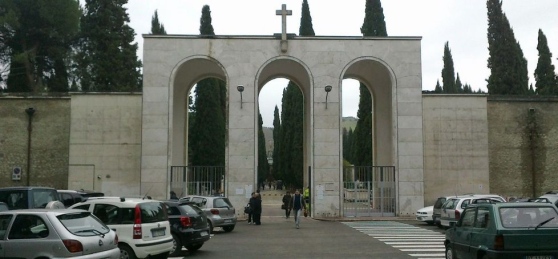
522, 230
551, 197
63, 233
425, 215
189, 226
142, 225
29, 197
3, 206
71, 197
219, 211
437, 211
452, 208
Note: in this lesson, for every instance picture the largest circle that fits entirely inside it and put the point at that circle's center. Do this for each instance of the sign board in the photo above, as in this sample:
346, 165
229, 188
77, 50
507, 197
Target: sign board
16, 173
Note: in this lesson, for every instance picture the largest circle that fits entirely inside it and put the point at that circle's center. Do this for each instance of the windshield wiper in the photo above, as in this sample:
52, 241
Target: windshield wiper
96, 232
544, 222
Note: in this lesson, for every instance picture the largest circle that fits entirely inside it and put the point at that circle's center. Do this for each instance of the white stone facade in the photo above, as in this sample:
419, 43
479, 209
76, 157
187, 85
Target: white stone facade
390, 67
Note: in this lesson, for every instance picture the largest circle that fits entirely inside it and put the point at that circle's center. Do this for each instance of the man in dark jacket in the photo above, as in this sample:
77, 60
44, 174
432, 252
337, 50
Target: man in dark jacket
256, 205
287, 199
298, 205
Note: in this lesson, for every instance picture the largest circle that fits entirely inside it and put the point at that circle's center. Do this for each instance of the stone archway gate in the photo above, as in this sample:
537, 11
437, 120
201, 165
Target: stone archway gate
390, 67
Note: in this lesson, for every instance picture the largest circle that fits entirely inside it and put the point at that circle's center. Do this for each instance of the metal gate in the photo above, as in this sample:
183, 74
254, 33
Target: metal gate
369, 191
198, 180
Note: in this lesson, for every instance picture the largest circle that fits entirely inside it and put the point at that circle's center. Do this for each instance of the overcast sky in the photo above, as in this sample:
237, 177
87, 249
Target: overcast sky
461, 22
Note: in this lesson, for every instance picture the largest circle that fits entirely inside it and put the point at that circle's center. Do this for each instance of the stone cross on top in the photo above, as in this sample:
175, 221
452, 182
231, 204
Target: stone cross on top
284, 12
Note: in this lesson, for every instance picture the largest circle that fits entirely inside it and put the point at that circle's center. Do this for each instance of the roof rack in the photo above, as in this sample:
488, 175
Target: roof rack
552, 192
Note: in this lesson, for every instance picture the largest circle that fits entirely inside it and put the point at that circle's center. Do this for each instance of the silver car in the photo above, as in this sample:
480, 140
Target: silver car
219, 211
60, 233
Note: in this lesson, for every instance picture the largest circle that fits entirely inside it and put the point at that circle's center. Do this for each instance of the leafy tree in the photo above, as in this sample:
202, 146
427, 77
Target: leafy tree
438, 88
157, 28
458, 84
263, 165
107, 59
209, 126
291, 153
306, 28
35, 40
374, 20
347, 144
545, 75
506, 61
448, 73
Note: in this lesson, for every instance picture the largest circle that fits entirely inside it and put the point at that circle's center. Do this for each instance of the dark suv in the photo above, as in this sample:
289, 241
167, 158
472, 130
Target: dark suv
189, 226
71, 197
29, 197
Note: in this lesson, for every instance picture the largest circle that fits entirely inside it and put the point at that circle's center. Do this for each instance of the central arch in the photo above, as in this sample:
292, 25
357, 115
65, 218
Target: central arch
295, 70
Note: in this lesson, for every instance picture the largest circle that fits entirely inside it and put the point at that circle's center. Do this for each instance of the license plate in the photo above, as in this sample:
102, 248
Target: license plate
158, 233
228, 220
539, 257
203, 233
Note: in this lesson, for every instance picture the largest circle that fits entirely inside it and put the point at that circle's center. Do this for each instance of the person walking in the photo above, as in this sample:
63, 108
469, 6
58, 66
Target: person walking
173, 195
251, 211
256, 205
298, 205
287, 199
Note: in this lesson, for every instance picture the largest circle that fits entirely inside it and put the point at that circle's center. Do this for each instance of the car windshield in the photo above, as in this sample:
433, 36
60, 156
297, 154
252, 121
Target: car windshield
450, 204
83, 224
222, 203
529, 217
153, 212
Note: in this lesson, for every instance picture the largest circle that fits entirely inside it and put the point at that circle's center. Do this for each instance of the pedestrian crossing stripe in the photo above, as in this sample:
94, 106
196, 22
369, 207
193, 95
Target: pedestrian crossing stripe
417, 242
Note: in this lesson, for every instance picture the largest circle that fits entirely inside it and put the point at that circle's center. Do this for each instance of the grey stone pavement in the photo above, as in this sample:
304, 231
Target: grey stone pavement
277, 237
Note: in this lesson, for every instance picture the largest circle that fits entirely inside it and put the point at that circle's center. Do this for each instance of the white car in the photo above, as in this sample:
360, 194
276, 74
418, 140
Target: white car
453, 207
425, 215
142, 225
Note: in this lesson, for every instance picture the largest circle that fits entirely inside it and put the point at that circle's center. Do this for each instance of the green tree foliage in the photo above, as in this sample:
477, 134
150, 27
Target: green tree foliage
448, 72
438, 88
209, 124
157, 28
35, 40
306, 28
347, 144
277, 160
107, 59
458, 84
374, 20
361, 151
263, 165
545, 75
506, 61
291, 153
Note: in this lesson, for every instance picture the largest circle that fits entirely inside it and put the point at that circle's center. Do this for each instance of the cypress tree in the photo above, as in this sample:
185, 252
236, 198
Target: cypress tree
361, 151
306, 28
208, 142
276, 144
448, 73
157, 28
263, 165
507, 64
545, 75
107, 58
438, 88
374, 20
458, 85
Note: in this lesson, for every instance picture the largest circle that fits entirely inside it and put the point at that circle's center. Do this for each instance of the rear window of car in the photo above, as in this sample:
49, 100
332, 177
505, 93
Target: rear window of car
192, 210
222, 203
451, 204
42, 197
529, 217
83, 224
153, 212
439, 202
15, 199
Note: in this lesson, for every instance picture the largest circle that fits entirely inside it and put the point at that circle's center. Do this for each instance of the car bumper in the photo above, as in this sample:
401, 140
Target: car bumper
447, 222
145, 249
194, 237
425, 218
110, 254
522, 254
223, 222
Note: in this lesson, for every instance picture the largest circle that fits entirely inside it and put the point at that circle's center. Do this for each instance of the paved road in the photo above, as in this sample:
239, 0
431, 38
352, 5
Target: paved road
277, 237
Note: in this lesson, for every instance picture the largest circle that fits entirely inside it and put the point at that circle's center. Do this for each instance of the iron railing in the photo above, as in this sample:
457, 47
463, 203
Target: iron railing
369, 191
197, 180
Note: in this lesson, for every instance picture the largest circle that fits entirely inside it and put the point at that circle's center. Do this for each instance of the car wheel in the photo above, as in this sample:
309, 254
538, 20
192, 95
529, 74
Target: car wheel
210, 226
126, 252
449, 252
228, 228
193, 248
176, 245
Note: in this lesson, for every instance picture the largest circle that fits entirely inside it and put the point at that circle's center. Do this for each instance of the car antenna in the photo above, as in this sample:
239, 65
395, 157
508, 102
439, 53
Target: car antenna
147, 193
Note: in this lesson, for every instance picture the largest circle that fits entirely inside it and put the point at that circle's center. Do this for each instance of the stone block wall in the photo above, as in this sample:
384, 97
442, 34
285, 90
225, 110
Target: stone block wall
49, 140
455, 130
523, 145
